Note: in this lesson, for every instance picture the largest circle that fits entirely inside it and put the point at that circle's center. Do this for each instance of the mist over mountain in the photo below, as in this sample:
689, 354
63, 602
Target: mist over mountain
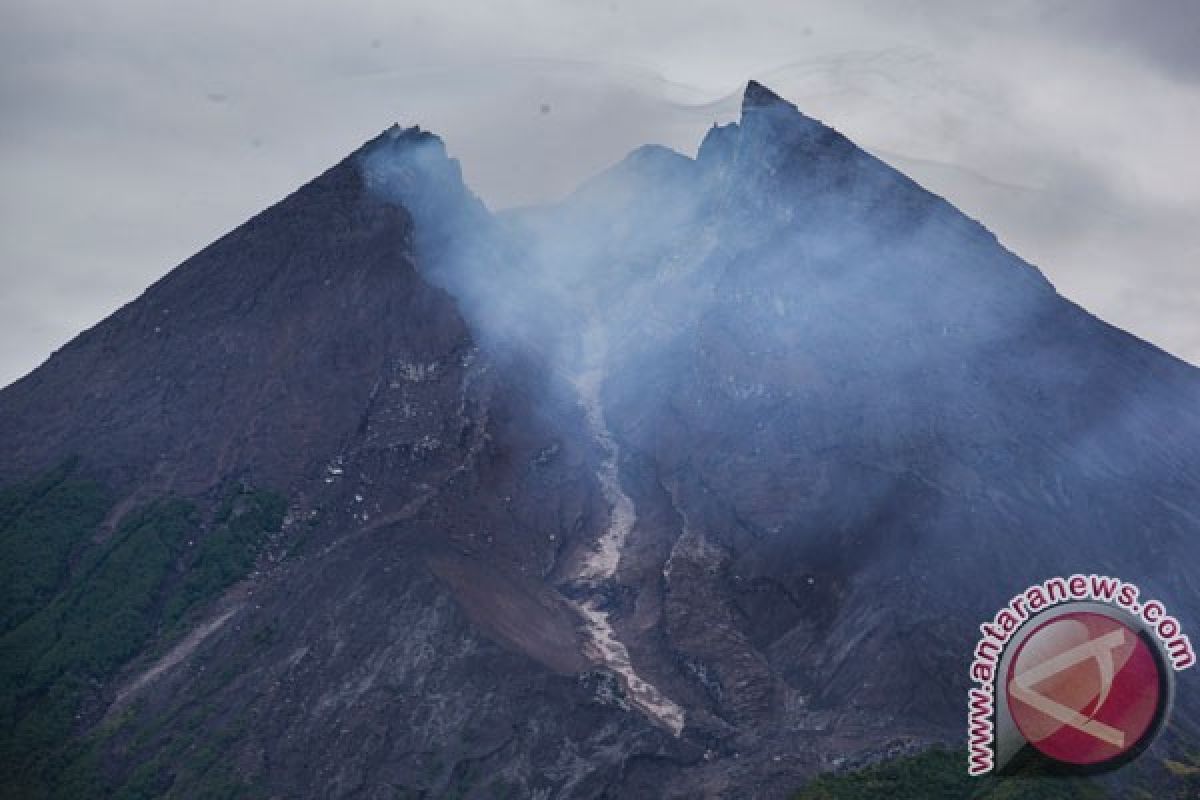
695, 484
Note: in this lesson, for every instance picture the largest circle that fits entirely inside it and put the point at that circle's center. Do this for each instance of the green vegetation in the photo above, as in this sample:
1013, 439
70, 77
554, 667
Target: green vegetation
78, 606
937, 774
229, 551
1185, 769
41, 524
1181, 769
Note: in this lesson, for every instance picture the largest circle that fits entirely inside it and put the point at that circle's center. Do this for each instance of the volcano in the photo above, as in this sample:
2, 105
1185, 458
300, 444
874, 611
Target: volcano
697, 483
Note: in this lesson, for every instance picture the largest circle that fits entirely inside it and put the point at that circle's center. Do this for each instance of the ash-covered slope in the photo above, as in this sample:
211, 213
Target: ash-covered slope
692, 485
255, 358
397, 634
866, 425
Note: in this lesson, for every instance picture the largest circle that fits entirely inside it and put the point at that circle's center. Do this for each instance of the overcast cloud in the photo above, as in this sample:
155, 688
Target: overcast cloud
134, 133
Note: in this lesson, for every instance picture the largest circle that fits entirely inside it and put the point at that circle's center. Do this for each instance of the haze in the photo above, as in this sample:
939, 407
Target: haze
135, 134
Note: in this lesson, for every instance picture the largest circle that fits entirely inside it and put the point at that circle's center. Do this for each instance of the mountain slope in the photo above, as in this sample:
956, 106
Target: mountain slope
257, 356
692, 485
871, 425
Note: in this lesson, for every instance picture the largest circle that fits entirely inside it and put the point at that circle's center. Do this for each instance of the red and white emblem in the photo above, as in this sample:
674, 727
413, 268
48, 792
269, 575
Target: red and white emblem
1084, 688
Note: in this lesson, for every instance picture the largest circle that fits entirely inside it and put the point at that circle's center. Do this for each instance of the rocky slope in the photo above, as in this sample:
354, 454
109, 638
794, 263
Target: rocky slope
693, 485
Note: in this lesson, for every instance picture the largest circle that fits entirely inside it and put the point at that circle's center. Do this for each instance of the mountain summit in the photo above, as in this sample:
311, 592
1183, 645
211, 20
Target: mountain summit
695, 484
758, 96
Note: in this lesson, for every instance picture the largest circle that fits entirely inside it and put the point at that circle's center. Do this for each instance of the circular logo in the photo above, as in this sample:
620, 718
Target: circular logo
1085, 689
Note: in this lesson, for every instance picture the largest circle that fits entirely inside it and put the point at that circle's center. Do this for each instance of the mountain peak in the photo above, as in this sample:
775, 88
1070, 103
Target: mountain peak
771, 127
411, 167
758, 96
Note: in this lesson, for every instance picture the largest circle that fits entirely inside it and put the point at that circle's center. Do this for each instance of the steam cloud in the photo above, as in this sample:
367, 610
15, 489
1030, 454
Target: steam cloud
785, 315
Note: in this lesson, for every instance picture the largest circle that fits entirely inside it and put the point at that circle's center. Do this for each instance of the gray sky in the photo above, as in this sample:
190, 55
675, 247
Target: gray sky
133, 133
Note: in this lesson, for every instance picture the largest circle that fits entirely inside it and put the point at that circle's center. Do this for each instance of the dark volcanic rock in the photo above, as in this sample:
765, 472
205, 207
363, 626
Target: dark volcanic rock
826, 423
259, 357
